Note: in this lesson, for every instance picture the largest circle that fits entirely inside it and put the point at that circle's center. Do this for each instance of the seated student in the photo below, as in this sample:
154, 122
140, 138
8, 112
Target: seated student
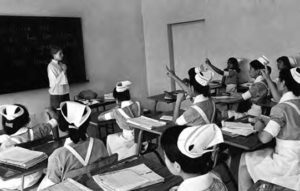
279, 165
123, 142
257, 92
203, 109
230, 73
79, 150
187, 154
17, 129
283, 62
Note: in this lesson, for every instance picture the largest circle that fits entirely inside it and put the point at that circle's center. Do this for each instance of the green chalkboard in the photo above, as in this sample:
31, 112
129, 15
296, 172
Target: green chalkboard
25, 43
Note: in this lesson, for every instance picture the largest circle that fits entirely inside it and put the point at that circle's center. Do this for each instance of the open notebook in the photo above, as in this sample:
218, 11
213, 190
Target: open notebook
127, 179
146, 122
21, 157
237, 128
68, 184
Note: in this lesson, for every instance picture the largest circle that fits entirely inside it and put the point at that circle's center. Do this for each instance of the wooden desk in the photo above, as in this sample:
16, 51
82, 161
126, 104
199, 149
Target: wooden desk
8, 172
262, 185
247, 143
161, 97
100, 102
170, 180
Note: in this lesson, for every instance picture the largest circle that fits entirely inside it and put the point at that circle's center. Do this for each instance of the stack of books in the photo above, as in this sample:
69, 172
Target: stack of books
146, 122
21, 157
237, 128
68, 184
128, 179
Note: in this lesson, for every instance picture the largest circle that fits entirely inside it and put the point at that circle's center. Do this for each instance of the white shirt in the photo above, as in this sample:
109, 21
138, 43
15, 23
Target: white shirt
247, 95
196, 183
58, 81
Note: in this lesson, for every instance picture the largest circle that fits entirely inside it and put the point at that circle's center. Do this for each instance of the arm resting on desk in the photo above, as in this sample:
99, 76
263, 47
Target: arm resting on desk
270, 131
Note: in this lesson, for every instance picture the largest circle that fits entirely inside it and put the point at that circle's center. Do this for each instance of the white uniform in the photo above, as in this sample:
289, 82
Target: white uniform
123, 142
206, 182
200, 113
280, 165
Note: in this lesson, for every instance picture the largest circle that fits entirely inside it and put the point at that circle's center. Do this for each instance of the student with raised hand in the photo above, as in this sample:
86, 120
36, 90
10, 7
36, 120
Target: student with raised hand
17, 129
57, 75
279, 165
283, 62
78, 150
230, 73
188, 154
122, 142
203, 109
257, 92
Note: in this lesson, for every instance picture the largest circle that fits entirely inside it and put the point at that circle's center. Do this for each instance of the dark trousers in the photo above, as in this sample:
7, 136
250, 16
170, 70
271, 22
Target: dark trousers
55, 101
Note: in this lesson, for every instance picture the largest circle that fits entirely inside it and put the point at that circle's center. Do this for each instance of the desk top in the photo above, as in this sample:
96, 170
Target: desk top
226, 99
248, 143
98, 102
170, 180
8, 171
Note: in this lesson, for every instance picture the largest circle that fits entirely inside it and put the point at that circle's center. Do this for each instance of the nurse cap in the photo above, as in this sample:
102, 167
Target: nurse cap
203, 77
11, 112
75, 113
123, 86
195, 141
296, 74
263, 60
292, 61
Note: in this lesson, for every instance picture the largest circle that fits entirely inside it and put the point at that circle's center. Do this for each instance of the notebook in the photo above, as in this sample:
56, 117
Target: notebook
166, 118
146, 122
237, 128
68, 184
127, 179
21, 157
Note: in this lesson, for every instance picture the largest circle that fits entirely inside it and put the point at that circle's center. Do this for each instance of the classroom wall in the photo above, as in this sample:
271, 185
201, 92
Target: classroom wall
113, 44
241, 28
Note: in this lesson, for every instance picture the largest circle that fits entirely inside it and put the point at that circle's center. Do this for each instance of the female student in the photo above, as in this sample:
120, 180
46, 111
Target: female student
79, 150
203, 109
58, 81
257, 92
230, 73
123, 142
188, 155
17, 129
283, 62
280, 165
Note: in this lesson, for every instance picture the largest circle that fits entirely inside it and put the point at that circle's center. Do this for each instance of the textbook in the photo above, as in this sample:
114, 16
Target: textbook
21, 157
237, 128
128, 179
146, 122
68, 184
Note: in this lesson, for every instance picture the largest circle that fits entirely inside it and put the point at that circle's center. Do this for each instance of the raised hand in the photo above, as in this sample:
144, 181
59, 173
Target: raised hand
170, 72
207, 61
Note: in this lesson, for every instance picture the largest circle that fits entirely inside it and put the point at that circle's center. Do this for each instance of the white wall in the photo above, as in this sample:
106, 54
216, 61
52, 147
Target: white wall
113, 44
241, 28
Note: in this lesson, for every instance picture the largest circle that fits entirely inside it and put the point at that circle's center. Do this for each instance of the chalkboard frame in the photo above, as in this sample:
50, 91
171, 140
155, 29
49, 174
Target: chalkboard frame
25, 50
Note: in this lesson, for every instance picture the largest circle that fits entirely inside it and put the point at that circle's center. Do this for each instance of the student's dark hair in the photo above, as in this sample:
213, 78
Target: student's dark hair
54, 49
200, 165
286, 76
121, 96
235, 63
75, 134
256, 65
198, 88
17, 123
285, 60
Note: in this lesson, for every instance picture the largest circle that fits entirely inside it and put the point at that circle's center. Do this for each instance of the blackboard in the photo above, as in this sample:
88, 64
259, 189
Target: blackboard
25, 43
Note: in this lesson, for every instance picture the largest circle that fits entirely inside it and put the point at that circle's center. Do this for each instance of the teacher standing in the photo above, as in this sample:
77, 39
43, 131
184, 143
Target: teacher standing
58, 81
